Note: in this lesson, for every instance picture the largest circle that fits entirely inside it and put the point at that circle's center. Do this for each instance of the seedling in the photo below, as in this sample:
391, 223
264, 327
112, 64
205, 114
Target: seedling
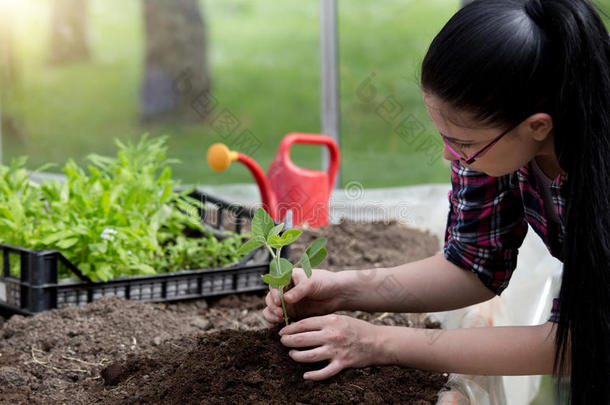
265, 232
119, 216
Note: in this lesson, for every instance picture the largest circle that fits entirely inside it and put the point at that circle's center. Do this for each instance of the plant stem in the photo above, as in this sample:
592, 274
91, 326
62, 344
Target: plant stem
277, 257
283, 305
270, 250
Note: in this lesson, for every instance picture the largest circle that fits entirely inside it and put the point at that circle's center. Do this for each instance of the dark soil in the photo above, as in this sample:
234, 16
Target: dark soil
205, 351
253, 367
364, 245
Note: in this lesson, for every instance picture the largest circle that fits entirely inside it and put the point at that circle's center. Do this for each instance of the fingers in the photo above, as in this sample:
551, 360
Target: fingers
301, 288
309, 324
271, 317
273, 312
272, 300
275, 295
305, 339
310, 356
330, 370
274, 303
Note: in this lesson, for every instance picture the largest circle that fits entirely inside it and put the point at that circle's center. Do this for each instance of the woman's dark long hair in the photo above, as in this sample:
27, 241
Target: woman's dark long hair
503, 60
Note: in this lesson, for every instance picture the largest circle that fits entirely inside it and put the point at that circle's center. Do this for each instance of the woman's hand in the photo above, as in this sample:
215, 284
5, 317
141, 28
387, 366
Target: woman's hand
344, 341
320, 294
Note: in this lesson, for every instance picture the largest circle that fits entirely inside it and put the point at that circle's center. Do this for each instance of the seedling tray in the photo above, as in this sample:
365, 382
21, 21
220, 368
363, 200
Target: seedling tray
38, 288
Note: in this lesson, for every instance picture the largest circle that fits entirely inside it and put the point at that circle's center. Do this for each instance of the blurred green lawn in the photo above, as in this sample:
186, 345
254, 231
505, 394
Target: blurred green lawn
265, 69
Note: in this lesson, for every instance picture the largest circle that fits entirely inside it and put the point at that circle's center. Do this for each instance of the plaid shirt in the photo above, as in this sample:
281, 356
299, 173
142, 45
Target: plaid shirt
488, 219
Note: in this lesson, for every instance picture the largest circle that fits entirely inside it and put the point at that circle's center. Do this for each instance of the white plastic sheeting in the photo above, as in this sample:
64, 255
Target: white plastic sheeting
527, 300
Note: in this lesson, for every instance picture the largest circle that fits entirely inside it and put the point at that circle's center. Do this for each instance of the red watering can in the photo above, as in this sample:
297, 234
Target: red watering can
287, 187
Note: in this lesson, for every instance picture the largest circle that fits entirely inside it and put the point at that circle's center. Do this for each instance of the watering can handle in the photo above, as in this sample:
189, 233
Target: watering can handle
333, 150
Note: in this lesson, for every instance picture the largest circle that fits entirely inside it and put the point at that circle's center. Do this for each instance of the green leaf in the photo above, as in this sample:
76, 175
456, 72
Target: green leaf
145, 269
277, 282
167, 192
70, 172
6, 213
54, 237
193, 202
116, 193
290, 236
67, 243
104, 272
306, 265
9, 224
317, 258
44, 167
166, 175
64, 193
106, 202
80, 229
275, 230
250, 245
85, 268
16, 208
262, 223
285, 267
315, 246
275, 241
98, 247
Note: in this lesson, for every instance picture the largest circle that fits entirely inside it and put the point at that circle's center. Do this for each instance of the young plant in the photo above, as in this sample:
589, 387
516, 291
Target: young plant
265, 232
118, 216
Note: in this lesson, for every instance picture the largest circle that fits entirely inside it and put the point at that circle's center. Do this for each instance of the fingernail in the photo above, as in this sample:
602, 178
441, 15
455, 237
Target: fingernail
281, 332
288, 295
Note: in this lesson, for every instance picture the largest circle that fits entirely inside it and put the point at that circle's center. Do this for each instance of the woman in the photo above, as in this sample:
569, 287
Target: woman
520, 93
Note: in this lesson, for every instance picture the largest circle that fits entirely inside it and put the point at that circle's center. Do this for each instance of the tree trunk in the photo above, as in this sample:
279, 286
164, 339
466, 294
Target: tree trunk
176, 77
69, 34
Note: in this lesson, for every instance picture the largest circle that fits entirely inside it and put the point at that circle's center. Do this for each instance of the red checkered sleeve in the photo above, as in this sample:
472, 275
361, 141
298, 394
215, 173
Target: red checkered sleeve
485, 226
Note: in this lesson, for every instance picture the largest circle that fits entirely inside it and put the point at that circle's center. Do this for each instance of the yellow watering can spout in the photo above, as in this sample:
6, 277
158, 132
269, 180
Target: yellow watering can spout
220, 157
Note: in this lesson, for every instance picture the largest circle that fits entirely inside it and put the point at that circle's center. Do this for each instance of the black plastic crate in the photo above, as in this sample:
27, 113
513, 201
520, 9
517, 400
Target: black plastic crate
38, 288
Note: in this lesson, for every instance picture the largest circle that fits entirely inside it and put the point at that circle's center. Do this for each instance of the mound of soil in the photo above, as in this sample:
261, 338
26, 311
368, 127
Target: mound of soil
56, 356
205, 351
254, 368
364, 245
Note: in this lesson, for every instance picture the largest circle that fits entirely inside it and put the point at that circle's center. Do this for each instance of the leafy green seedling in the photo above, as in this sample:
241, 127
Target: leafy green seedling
119, 216
266, 233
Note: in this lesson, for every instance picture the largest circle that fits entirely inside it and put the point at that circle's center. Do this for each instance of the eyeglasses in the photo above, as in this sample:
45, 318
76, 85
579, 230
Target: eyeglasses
471, 159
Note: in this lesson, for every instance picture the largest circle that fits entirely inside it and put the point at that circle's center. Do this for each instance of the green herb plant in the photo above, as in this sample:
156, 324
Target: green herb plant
118, 216
266, 233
